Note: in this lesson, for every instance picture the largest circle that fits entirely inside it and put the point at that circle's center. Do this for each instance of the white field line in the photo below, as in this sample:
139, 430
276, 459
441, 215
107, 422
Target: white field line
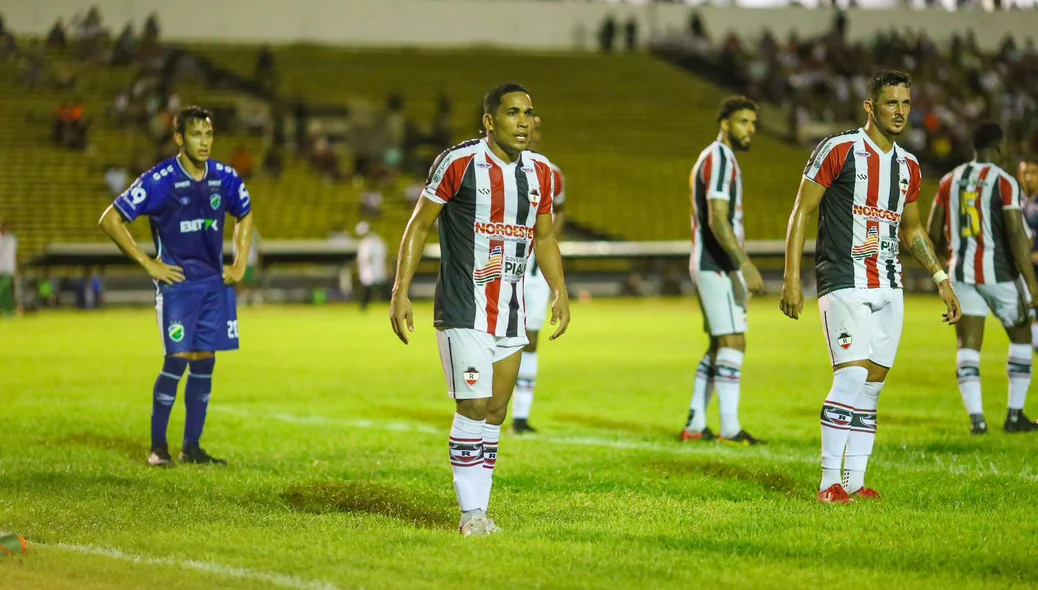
968, 465
208, 567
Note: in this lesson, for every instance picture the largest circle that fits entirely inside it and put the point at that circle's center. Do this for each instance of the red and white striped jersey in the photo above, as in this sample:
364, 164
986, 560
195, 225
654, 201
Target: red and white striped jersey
716, 175
974, 195
557, 202
486, 234
866, 193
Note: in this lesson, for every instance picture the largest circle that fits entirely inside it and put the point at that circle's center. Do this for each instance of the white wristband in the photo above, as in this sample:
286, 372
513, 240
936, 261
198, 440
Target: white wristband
940, 276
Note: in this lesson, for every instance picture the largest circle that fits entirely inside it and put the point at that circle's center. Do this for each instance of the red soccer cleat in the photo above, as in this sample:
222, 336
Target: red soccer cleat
865, 494
834, 494
705, 435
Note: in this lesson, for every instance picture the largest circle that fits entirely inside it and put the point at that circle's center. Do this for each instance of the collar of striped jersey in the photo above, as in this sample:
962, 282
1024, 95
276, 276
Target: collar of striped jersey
893, 145
188, 174
490, 154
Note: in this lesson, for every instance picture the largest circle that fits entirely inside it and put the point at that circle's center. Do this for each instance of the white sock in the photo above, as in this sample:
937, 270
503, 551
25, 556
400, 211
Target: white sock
524, 386
491, 436
700, 396
862, 436
466, 444
727, 380
967, 368
837, 412
1019, 368
1034, 336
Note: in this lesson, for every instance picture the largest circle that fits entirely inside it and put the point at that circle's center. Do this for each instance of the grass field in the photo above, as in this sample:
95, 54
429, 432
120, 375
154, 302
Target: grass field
339, 476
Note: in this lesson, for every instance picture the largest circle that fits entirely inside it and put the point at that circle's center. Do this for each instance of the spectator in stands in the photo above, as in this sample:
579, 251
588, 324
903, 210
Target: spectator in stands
57, 38
607, 34
8, 271
70, 125
273, 164
324, 159
125, 51
151, 29
265, 74
117, 178
631, 35
243, 161
371, 200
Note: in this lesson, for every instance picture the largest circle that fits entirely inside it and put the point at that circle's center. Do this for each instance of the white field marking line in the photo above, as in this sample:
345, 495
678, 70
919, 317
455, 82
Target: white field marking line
970, 465
282, 580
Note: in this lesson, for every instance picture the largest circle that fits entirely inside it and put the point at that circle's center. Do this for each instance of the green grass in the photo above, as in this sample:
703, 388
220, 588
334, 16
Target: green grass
339, 477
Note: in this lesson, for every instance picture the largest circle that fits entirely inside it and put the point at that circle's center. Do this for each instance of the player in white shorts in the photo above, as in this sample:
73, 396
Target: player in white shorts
492, 197
722, 272
537, 295
864, 188
977, 214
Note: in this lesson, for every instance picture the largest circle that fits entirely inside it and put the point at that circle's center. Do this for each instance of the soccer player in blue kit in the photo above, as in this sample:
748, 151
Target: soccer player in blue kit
186, 198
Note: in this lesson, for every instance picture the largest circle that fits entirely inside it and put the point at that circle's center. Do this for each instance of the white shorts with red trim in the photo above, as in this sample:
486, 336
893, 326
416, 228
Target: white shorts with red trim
1006, 300
863, 324
468, 358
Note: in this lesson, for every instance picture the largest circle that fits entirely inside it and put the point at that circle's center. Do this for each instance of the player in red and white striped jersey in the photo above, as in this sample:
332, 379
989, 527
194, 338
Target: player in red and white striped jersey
537, 297
493, 199
977, 214
864, 187
721, 271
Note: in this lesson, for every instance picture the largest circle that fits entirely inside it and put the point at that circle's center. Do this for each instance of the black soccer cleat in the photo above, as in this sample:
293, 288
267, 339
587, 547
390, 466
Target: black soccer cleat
195, 454
159, 457
521, 426
1017, 421
978, 425
743, 438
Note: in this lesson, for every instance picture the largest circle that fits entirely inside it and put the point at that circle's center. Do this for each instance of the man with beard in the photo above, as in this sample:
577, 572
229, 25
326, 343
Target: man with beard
722, 271
863, 188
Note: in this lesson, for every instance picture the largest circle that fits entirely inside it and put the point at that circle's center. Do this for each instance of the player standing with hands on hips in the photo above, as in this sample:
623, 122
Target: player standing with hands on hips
493, 199
186, 199
864, 187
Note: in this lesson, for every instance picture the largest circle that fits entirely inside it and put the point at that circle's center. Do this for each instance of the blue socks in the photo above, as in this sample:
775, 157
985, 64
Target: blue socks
162, 398
196, 398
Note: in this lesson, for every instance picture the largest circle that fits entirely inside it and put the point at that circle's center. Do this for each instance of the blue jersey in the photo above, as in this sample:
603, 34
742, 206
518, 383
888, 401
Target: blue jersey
187, 216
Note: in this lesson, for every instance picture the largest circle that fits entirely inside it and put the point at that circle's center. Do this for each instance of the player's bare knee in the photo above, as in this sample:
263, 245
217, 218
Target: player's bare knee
1019, 334
877, 373
497, 412
473, 409
733, 341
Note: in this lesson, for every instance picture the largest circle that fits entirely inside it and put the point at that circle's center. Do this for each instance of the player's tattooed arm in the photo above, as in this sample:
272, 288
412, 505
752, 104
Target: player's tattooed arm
919, 244
723, 232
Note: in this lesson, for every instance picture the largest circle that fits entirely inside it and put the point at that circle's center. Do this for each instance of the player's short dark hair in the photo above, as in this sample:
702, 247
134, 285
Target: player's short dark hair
733, 104
492, 100
1028, 159
987, 135
885, 78
187, 114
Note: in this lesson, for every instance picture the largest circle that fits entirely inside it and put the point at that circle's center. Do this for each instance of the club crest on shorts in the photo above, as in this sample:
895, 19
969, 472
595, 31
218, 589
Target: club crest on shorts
471, 376
844, 340
214, 201
175, 331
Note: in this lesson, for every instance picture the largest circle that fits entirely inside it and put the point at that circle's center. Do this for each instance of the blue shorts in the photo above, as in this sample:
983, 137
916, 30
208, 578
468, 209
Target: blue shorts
197, 317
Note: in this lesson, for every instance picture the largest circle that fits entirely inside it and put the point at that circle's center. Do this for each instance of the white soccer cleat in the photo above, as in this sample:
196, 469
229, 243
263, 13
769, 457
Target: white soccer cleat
492, 527
478, 525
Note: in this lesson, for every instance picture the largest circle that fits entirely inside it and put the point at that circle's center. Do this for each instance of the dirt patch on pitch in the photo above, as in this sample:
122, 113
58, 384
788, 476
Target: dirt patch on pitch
132, 448
366, 498
767, 479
